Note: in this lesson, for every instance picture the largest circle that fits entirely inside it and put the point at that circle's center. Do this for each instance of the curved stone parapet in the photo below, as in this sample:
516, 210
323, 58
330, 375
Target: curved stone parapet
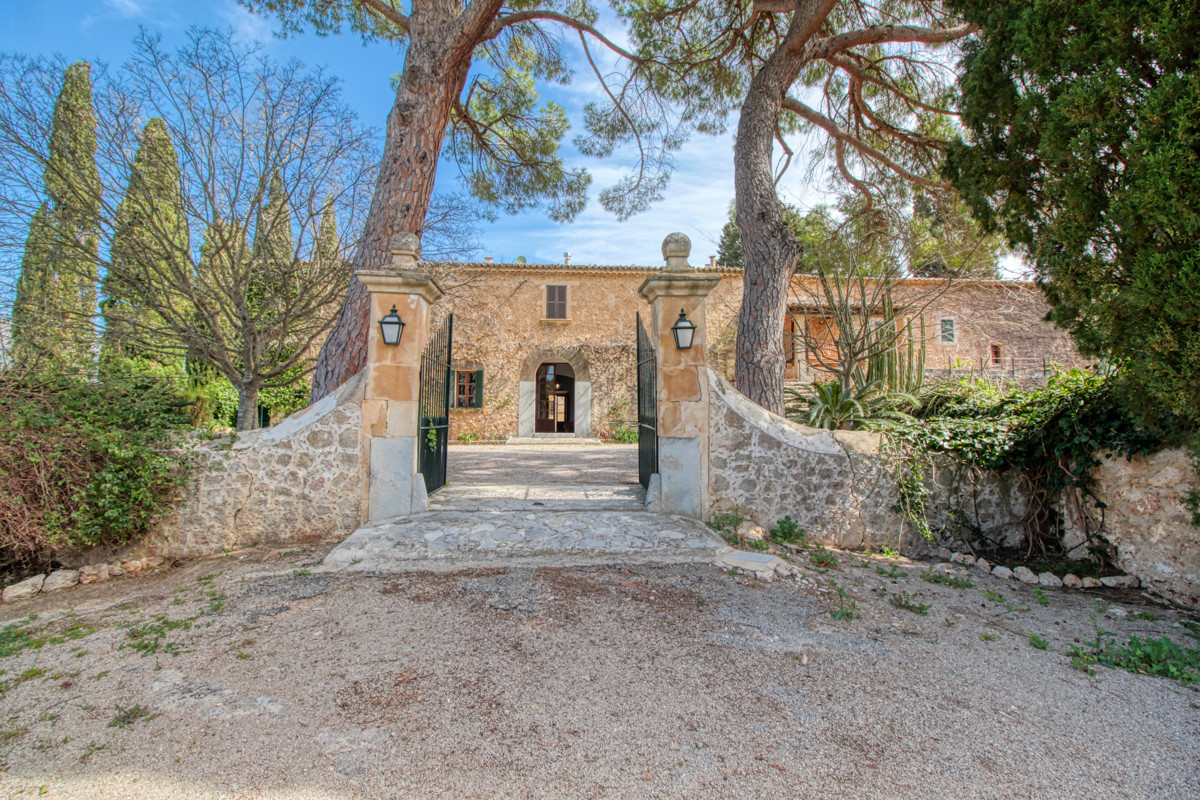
836, 484
300, 480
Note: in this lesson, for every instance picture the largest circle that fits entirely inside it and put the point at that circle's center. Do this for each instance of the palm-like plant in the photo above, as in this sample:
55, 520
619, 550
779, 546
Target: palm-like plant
837, 407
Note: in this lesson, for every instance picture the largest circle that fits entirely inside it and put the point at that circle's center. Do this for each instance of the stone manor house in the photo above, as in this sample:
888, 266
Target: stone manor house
549, 350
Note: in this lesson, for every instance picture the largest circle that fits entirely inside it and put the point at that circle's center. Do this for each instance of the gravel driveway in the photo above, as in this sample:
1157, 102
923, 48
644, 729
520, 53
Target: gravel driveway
249, 677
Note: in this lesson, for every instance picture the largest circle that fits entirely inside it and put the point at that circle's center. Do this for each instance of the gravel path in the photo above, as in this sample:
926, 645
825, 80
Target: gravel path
251, 677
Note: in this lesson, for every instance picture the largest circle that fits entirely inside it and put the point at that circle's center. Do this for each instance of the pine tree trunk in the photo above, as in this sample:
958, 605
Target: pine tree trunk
435, 69
247, 413
770, 251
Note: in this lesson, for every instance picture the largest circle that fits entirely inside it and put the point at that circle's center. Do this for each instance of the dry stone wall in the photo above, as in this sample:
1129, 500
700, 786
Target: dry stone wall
301, 480
1147, 523
836, 485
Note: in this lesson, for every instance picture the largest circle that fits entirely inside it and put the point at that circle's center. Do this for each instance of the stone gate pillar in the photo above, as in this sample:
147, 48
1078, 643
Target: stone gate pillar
391, 406
682, 381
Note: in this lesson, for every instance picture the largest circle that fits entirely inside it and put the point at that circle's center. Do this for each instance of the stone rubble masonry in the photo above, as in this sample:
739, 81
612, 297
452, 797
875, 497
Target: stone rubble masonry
1147, 522
301, 480
834, 484
500, 328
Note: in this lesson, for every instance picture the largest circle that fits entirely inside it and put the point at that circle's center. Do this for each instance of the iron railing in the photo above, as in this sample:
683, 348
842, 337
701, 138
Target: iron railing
437, 383
647, 372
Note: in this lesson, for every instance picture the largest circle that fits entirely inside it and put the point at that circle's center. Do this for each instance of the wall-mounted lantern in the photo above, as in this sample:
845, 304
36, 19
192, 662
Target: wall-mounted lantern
684, 330
392, 327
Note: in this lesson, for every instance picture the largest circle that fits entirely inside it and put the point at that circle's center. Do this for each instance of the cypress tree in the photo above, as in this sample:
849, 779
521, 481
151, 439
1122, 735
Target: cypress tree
56, 296
73, 184
29, 319
328, 248
273, 228
150, 241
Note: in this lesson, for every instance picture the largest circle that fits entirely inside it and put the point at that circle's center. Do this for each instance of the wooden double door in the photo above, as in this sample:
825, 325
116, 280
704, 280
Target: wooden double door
555, 399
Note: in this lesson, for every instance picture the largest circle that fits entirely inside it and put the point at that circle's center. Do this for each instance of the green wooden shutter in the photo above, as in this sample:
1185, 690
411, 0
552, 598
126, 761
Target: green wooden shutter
478, 400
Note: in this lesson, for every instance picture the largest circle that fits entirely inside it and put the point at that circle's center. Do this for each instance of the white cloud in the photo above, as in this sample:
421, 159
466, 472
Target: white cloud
247, 27
127, 8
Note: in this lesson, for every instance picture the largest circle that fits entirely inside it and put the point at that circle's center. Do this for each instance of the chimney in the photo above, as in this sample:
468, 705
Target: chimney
712, 262
567, 258
487, 259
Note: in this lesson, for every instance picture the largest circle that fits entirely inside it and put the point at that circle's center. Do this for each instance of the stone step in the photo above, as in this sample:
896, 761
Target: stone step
445, 540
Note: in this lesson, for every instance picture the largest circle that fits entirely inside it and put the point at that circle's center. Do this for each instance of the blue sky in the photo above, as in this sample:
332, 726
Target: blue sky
696, 202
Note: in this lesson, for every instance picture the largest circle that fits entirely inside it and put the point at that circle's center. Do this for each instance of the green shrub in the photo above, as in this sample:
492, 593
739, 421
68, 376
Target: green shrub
84, 462
726, 522
1051, 436
822, 557
787, 530
624, 434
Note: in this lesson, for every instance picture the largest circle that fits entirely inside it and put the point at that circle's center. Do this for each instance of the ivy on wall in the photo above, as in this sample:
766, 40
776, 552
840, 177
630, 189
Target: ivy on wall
1052, 438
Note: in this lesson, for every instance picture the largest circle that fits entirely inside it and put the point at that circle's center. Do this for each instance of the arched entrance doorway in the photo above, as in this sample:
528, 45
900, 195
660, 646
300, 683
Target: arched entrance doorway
555, 385
555, 398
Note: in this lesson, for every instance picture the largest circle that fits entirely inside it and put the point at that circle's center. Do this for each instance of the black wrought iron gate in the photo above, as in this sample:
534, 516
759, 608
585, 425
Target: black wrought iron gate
647, 370
433, 433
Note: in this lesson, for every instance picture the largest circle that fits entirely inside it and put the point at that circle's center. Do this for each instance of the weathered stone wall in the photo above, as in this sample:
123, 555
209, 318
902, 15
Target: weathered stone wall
301, 480
836, 485
1147, 523
839, 488
500, 328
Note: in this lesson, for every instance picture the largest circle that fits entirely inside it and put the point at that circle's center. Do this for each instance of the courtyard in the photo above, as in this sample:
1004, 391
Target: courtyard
256, 675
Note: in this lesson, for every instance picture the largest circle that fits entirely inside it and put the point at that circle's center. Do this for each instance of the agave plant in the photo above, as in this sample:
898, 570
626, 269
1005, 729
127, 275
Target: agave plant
835, 407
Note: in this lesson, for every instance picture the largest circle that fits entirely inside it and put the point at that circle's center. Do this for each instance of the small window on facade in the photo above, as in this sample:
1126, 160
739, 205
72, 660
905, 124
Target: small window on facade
947, 330
468, 389
997, 354
556, 302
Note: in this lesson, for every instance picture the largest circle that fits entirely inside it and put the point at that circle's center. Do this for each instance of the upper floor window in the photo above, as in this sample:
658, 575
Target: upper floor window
947, 330
556, 302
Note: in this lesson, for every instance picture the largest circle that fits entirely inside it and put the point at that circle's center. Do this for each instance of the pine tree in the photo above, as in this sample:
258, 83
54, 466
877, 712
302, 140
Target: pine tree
57, 294
150, 242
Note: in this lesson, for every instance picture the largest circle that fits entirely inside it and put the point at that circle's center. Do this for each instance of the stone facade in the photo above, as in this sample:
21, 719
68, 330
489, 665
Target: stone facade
1147, 523
501, 329
971, 328
301, 480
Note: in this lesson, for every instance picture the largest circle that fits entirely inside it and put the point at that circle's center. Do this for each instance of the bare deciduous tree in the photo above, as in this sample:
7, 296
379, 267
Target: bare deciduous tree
264, 151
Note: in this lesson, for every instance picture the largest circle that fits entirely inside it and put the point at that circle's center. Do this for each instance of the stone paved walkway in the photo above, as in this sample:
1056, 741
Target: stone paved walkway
542, 465
545, 505
522, 497
458, 539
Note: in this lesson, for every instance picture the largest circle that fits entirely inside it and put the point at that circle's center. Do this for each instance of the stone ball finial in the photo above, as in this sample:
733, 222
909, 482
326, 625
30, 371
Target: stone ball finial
675, 249
406, 249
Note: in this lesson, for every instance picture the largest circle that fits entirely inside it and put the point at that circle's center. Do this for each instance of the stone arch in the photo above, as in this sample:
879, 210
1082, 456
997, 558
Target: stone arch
527, 388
